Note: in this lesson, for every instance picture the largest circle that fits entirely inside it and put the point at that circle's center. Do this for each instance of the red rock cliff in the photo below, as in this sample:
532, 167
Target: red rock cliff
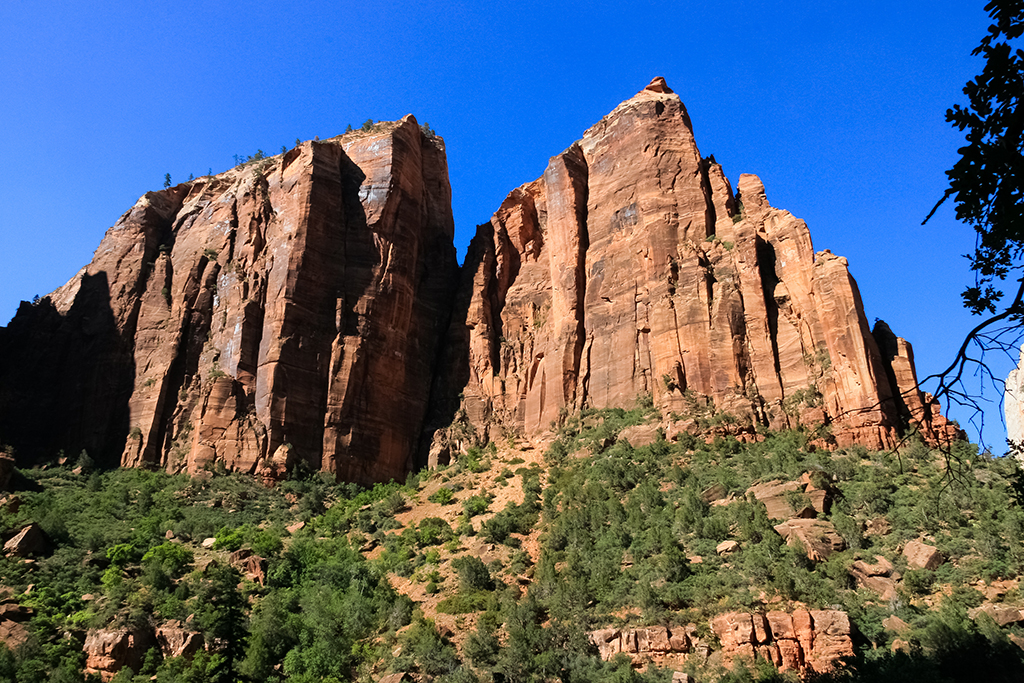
308, 307
287, 310
631, 267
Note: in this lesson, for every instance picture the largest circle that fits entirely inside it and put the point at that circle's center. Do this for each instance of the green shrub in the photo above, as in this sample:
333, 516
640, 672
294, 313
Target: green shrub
442, 496
433, 531
229, 539
476, 505
432, 654
473, 573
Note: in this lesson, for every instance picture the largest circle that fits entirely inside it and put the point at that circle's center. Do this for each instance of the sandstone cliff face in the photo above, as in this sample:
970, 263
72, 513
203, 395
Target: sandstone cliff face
287, 310
631, 267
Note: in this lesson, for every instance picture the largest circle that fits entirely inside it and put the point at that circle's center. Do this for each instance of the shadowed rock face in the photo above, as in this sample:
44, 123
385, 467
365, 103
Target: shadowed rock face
630, 267
287, 310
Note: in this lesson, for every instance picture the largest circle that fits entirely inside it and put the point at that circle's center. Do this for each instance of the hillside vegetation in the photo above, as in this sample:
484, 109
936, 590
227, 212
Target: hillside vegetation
498, 567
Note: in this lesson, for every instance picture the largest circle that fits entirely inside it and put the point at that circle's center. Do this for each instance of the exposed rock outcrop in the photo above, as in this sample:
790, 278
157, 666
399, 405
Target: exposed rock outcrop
631, 267
176, 641
803, 641
295, 301
653, 639
814, 640
915, 407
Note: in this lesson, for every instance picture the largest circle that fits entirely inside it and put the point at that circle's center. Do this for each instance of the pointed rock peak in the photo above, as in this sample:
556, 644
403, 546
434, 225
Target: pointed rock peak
409, 118
751, 191
659, 85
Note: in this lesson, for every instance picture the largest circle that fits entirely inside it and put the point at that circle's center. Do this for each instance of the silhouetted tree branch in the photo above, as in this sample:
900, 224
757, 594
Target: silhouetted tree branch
987, 186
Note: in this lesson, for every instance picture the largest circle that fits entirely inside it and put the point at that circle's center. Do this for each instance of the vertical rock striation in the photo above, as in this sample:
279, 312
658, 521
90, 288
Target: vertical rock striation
286, 311
631, 267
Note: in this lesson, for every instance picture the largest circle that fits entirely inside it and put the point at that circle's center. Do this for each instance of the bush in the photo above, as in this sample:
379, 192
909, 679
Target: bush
432, 654
918, 581
473, 573
476, 505
442, 496
433, 531
229, 539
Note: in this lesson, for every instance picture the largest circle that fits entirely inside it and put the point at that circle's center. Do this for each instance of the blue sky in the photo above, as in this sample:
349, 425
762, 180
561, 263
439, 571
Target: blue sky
838, 106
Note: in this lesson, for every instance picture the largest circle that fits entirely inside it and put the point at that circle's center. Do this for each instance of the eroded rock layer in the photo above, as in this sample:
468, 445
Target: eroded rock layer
631, 267
288, 310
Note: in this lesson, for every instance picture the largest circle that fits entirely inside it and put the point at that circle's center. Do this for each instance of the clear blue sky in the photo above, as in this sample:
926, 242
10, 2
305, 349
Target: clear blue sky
838, 106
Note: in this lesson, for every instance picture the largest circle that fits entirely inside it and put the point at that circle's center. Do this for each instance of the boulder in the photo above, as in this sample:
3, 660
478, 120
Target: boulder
876, 577
640, 435
109, 651
399, 677
922, 556
253, 568
877, 527
995, 590
176, 641
714, 492
1002, 614
727, 547
31, 540
10, 611
818, 537
13, 631
895, 624
13, 634
777, 496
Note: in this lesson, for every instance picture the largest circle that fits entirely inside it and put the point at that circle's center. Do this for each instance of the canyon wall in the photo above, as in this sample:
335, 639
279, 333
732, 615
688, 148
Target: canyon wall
286, 311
